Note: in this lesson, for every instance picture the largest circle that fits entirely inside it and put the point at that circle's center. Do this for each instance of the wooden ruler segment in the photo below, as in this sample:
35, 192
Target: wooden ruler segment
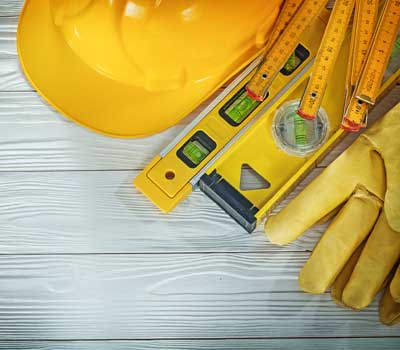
287, 12
326, 58
283, 47
379, 55
365, 17
348, 87
374, 67
356, 115
366, 14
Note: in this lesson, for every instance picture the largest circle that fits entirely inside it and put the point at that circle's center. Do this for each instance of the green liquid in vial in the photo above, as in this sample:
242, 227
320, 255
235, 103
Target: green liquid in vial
300, 130
241, 108
195, 152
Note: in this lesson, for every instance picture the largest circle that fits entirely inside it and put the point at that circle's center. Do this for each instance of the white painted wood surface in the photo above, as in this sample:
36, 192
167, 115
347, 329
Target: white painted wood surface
169, 296
372, 343
101, 212
10, 7
86, 262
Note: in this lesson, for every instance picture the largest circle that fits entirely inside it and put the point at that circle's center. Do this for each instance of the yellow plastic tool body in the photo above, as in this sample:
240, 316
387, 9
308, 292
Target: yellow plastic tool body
155, 180
258, 149
133, 68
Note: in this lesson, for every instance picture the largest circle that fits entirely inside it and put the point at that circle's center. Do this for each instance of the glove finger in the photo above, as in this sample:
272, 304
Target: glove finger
380, 254
315, 203
341, 280
389, 310
346, 232
384, 138
344, 276
395, 285
328, 191
329, 216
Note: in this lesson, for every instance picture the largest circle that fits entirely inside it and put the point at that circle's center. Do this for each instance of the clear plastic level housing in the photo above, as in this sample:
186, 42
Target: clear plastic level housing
295, 135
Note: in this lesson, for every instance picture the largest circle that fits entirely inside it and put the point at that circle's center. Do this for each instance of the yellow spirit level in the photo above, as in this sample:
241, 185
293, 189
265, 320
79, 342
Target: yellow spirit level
171, 176
236, 133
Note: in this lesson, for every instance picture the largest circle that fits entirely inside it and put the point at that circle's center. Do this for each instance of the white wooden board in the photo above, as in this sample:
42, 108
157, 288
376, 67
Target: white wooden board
10, 7
368, 343
86, 262
34, 137
101, 212
169, 296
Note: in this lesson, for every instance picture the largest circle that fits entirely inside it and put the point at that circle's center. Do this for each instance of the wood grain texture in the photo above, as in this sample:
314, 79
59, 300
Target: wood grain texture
169, 296
10, 7
84, 256
215, 344
11, 76
8, 31
101, 212
34, 137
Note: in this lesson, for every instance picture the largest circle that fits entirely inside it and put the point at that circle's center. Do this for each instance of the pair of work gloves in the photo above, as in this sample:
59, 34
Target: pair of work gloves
359, 253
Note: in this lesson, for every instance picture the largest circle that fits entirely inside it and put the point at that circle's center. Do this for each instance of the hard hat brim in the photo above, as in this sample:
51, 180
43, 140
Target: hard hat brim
96, 101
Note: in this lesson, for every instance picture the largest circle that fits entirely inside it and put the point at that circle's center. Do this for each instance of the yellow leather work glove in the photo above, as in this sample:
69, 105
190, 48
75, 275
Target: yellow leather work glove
361, 246
390, 303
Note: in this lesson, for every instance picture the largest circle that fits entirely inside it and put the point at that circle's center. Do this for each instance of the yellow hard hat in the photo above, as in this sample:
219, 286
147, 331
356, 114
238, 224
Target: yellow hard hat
130, 68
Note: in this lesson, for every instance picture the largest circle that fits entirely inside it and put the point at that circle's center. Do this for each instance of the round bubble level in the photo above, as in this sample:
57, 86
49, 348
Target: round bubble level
295, 135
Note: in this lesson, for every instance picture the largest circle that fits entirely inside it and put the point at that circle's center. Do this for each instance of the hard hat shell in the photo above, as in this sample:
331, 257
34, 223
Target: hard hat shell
129, 68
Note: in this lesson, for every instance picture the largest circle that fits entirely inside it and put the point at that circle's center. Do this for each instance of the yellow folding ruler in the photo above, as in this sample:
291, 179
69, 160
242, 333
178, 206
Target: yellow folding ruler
326, 58
282, 48
287, 12
373, 67
236, 133
367, 62
365, 17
